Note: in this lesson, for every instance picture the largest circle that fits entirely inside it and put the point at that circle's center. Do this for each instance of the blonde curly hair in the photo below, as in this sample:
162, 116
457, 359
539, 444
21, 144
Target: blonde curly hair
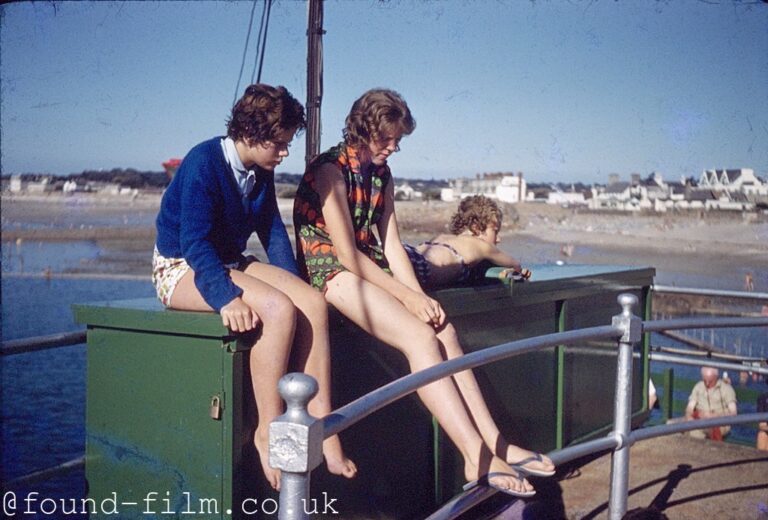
475, 213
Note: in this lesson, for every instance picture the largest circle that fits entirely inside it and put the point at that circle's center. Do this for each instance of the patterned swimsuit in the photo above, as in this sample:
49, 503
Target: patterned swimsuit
423, 268
316, 253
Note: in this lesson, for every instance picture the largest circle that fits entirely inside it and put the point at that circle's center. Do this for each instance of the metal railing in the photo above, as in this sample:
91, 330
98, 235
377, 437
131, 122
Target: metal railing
296, 437
22, 346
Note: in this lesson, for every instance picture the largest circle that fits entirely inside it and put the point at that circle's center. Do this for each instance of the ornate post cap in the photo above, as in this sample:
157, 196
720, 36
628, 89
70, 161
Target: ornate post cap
296, 438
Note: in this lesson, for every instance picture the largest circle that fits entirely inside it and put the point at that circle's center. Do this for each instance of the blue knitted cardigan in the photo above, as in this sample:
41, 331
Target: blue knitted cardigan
205, 220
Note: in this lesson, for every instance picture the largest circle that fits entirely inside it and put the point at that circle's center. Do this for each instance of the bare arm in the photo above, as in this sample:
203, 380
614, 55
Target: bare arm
418, 303
497, 256
393, 247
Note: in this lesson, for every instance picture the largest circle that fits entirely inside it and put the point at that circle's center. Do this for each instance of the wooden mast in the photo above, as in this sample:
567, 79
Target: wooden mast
314, 77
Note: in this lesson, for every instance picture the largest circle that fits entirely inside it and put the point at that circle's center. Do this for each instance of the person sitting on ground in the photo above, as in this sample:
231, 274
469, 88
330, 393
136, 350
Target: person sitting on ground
711, 397
222, 193
452, 258
345, 195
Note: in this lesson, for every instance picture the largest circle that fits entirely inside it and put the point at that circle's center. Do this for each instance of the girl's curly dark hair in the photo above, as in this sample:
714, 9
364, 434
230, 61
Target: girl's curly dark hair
263, 113
474, 214
375, 115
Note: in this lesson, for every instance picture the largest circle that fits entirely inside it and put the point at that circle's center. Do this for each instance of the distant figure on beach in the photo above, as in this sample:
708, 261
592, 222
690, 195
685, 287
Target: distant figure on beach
223, 192
711, 397
749, 282
345, 193
452, 258
762, 427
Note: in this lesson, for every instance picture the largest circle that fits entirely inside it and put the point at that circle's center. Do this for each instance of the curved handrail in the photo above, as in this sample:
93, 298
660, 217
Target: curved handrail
360, 408
698, 424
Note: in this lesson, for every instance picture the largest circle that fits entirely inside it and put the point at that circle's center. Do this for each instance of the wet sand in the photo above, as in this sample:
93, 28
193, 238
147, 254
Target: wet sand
719, 245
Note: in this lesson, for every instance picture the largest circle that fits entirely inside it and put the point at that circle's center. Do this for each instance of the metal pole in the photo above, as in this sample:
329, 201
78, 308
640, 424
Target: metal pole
295, 445
314, 77
669, 391
622, 412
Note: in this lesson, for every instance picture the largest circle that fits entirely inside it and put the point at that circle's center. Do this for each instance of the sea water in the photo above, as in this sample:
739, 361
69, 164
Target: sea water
43, 392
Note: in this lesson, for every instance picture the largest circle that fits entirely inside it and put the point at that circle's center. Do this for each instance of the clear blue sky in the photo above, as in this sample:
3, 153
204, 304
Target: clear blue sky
561, 90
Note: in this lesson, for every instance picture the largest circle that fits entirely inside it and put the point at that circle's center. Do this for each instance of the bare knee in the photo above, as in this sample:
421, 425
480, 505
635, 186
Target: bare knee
273, 308
421, 339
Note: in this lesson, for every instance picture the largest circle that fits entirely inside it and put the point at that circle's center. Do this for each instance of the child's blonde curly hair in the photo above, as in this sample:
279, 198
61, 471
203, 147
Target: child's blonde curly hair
474, 214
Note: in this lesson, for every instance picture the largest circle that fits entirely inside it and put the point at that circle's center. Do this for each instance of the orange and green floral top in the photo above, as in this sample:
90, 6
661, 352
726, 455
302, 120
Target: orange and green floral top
315, 252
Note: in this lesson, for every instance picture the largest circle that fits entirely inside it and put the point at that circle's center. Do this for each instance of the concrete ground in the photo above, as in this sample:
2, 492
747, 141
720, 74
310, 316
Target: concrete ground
684, 478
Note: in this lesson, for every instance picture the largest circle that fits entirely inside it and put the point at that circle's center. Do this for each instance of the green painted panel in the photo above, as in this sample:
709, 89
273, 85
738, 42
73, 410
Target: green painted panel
147, 419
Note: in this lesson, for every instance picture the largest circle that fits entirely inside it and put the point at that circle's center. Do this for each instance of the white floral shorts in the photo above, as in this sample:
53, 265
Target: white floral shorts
166, 273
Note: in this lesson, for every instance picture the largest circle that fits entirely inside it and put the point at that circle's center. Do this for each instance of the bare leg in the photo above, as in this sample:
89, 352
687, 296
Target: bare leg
475, 403
375, 310
311, 351
268, 357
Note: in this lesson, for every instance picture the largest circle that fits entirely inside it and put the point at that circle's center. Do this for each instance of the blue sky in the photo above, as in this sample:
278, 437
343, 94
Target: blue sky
562, 90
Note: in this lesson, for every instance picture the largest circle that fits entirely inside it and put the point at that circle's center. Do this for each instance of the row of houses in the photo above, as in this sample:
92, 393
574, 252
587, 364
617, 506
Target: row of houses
728, 189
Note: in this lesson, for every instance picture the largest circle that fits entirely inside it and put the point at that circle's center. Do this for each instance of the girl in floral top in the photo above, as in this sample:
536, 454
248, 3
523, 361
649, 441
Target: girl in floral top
345, 193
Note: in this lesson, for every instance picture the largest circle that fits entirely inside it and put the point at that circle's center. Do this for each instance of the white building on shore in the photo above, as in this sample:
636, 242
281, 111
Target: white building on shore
505, 187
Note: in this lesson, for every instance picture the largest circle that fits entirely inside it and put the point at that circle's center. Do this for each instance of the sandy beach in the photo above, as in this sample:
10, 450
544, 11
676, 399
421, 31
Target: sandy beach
696, 242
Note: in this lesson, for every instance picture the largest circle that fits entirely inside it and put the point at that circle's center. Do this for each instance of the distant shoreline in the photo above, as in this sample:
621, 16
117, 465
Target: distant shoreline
534, 232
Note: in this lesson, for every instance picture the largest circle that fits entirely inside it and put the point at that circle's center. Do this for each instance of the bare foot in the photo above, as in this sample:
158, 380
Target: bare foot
261, 441
529, 462
335, 460
506, 477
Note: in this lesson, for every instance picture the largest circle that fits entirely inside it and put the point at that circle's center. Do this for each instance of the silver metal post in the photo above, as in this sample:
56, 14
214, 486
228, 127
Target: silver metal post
622, 412
295, 445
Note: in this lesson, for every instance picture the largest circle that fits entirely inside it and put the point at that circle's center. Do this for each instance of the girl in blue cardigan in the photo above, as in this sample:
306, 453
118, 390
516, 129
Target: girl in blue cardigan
222, 193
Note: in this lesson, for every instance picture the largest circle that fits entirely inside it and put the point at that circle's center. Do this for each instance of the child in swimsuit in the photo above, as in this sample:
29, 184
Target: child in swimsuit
345, 193
222, 193
451, 258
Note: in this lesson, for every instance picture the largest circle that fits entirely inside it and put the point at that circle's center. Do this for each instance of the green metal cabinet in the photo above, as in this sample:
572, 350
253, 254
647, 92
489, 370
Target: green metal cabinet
152, 445
153, 374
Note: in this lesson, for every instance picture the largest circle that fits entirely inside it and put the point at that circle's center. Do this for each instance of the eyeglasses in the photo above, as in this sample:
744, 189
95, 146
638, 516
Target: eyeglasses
279, 145
385, 142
